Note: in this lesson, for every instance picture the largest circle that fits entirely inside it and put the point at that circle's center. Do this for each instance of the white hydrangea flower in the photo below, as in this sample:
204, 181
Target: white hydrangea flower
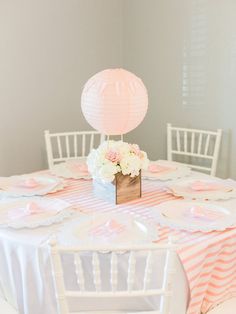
131, 165
144, 161
116, 156
107, 172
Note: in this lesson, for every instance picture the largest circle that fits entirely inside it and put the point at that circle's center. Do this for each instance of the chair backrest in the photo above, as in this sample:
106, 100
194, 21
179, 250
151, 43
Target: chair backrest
70, 145
199, 147
113, 273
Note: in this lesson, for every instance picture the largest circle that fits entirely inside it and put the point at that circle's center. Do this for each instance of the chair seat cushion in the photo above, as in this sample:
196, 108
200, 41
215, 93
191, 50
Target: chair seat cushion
6, 308
227, 307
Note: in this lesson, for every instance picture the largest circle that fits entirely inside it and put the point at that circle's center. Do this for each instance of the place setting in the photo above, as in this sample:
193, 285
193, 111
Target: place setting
33, 212
164, 170
202, 189
193, 216
72, 169
30, 185
104, 229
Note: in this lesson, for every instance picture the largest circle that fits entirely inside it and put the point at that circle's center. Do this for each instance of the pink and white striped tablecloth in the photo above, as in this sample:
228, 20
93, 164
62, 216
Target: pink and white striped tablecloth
209, 259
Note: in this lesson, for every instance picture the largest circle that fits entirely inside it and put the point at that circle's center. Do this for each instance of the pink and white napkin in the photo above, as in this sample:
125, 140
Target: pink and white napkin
29, 183
78, 167
199, 212
31, 208
108, 229
154, 168
200, 186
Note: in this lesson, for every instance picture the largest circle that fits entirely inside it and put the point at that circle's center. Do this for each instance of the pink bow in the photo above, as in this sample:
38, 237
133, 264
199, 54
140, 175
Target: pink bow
157, 168
108, 229
205, 186
203, 213
78, 166
28, 183
31, 209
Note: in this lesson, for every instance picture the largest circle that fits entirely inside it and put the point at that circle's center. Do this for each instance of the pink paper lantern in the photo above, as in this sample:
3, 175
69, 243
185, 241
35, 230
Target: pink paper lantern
114, 101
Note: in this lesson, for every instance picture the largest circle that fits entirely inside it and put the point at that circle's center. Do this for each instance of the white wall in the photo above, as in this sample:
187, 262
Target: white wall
185, 52
48, 50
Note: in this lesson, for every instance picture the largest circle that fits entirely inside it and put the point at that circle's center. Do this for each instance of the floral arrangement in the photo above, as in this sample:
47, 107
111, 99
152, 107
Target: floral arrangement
112, 157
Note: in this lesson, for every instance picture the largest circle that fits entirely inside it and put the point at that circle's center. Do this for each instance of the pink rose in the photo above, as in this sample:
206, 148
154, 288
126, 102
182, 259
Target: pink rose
113, 156
134, 148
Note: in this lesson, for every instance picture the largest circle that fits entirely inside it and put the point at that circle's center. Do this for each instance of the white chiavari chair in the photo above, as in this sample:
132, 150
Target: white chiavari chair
198, 149
70, 145
6, 308
113, 273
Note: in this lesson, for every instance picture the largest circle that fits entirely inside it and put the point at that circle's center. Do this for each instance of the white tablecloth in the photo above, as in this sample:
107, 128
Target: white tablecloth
26, 278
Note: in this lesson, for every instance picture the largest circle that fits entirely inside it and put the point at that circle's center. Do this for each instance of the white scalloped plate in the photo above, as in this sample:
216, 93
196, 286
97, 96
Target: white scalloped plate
176, 171
178, 215
10, 187
135, 231
63, 170
57, 210
183, 188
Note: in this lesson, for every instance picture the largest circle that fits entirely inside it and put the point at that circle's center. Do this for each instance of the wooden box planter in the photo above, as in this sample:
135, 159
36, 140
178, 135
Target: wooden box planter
122, 189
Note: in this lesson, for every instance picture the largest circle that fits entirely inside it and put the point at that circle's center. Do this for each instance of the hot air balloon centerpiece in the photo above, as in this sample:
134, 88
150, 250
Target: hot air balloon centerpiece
114, 102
